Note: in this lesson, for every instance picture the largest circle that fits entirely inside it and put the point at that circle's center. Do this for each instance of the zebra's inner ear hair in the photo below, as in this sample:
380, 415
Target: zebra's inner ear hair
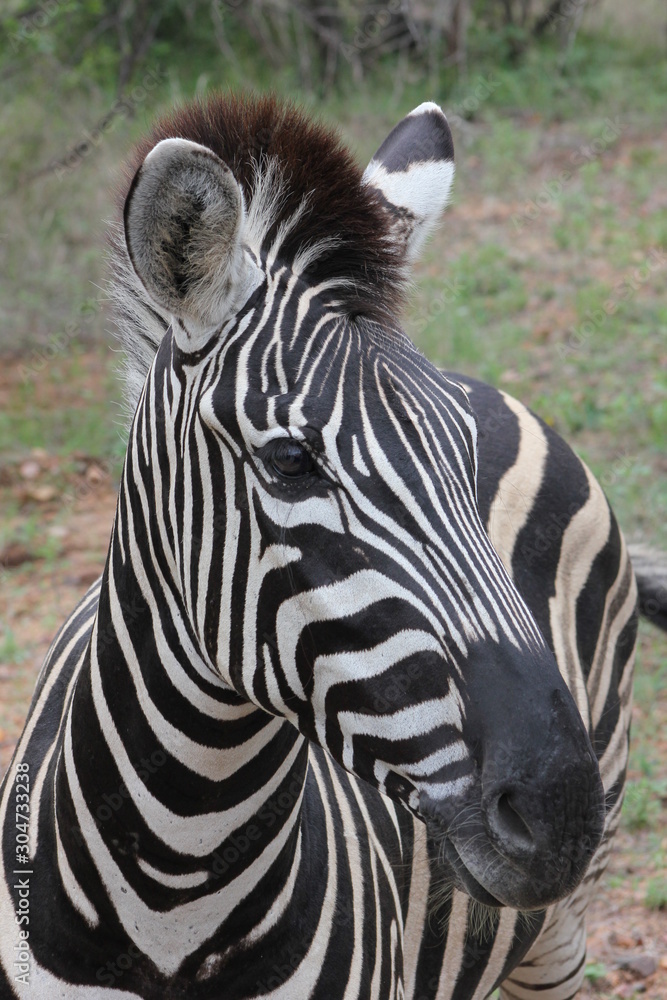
183, 218
413, 172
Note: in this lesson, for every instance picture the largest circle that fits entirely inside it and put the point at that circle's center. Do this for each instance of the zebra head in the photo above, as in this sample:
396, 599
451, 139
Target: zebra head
315, 488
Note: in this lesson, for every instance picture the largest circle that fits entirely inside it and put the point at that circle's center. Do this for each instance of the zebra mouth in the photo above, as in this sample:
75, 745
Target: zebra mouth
462, 877
447, 855
507, 868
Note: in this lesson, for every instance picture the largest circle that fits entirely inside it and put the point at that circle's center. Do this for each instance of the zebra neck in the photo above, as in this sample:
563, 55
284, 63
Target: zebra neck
174, 796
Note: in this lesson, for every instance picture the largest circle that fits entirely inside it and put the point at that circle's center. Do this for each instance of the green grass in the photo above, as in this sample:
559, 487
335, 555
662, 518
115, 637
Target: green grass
656, 894
10, 650
644, 808
595, 971
44, 413
641, 807
61, 432
650, 685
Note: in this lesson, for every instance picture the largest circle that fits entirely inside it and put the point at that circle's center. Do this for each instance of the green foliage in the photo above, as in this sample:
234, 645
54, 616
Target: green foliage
595, 971
10, 650
35, 416
642, 807
656, 893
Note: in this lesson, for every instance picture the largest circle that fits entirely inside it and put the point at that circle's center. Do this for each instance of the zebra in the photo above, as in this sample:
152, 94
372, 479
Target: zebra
341, 719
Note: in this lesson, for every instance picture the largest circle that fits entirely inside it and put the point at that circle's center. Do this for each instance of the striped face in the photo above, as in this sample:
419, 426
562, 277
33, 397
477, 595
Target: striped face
316, 491
343, 577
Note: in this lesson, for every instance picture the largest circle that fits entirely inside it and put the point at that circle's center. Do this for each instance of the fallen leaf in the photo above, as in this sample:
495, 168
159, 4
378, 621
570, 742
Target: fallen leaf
42, 493
83, 579
95, 475
622, 940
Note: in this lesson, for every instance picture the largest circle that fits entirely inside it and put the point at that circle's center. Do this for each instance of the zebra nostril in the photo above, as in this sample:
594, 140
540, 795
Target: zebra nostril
508, 827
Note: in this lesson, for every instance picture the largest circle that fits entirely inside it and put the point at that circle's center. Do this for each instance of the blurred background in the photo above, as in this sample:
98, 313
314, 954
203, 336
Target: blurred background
547, 278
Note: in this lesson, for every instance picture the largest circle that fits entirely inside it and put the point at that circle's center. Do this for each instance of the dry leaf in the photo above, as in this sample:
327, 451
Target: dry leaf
42, 493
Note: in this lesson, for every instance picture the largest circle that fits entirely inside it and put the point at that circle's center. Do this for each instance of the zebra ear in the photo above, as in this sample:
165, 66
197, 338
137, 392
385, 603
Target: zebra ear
413, 171
183, 218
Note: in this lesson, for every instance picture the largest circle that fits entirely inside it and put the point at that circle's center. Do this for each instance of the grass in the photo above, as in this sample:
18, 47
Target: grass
595, 971
56, 405
656, 894
642, 806
11, 651
28, 531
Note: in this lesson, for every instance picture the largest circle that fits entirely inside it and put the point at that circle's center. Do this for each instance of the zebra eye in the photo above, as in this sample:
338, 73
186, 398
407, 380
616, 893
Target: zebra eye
289, 459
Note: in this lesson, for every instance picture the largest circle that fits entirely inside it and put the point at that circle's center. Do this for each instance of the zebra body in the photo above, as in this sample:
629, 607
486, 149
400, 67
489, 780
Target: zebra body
307, 736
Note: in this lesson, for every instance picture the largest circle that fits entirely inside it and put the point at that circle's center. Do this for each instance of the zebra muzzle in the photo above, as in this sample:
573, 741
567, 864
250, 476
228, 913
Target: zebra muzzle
497, 852
524, 832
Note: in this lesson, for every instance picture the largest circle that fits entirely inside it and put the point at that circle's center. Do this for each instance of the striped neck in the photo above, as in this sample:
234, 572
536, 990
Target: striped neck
175, 798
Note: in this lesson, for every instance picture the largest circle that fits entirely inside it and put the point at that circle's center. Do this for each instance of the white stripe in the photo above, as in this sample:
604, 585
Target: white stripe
457, 928
585, 536
599, 676
355, 594
520, 485
417, 916
357, 889
305, 977
378, 853
499, 952
188, 880
71, 885
208, 761
176, 831
167, 937
280, 902
357, 458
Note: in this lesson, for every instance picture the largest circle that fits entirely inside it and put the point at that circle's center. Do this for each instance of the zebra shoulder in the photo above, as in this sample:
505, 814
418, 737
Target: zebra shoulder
550, 522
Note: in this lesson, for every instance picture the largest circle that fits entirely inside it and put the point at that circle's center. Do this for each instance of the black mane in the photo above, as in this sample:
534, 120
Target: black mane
312, 165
